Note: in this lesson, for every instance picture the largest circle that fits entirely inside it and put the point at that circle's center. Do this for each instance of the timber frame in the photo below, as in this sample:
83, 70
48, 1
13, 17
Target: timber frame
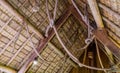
101, 33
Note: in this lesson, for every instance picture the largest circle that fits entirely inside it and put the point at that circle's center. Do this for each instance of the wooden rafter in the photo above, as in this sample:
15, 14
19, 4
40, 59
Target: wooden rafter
20, 49
96, 13
6, 23
2, 51
102, 36
7, 69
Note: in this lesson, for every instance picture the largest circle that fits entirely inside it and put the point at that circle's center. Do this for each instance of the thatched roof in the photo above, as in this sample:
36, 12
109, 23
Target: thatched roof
16, 50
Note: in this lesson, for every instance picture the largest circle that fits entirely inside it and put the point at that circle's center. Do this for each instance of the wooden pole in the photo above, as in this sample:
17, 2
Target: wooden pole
95, 12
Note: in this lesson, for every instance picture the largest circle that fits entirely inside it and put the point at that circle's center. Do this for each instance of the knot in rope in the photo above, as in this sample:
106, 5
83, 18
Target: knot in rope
88, 40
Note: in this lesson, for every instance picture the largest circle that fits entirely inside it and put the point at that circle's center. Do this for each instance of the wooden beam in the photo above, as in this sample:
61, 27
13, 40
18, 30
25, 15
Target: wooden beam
101, 35
95, 12
2, 51
44, 41
116, 28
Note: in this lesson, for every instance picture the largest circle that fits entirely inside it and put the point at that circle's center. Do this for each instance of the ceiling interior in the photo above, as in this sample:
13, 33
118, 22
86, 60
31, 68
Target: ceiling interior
23, 25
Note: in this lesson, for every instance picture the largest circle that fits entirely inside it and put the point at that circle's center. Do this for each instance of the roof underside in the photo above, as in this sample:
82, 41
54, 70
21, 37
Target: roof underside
15, 45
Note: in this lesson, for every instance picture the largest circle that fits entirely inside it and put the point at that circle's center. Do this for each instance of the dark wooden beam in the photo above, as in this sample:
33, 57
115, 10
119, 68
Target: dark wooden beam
101, 35
44, 41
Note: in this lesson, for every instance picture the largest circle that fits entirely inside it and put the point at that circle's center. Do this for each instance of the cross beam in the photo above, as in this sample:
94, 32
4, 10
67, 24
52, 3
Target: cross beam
44, 41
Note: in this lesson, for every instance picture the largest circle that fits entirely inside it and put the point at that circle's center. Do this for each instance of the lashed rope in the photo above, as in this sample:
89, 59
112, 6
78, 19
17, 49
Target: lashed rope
51, 20
98, 54
16, 39
90, 37
37, 53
